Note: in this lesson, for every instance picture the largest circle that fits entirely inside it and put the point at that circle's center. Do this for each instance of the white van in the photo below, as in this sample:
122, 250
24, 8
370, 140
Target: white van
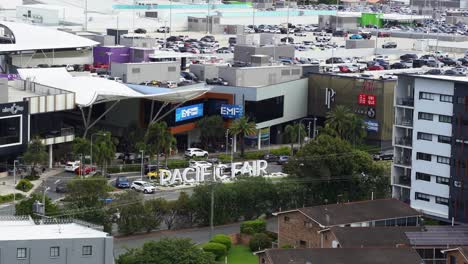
71, 166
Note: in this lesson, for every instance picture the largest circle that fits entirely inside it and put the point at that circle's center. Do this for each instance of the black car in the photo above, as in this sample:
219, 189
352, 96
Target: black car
448, 61
287, 40
140, 31
409, 56
216, 81
419, 63
208, 39
334, 60
383, 155
189, 76
340, 33
463, 61
453, 73
232, 40
389, 45
434, 72
270, 157
173, 39
398, 65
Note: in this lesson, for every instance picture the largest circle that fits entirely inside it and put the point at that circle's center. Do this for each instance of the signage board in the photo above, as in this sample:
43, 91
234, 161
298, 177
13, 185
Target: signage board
12, 109
189, 112
232, 111
372, 125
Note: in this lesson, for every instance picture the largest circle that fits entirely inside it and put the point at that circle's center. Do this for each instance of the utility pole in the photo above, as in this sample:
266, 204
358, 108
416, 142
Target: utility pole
227, 140
43, 196
212, 200
141, 169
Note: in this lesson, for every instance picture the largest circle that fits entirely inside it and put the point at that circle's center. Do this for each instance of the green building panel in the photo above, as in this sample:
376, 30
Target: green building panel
371, 19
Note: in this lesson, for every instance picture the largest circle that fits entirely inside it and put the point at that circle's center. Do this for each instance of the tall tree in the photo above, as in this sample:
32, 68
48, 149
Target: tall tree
81, 146
35, 154
211, 130
295, 133
104, 149
357, 131
242, 127
338, 119
155, 138
170, 142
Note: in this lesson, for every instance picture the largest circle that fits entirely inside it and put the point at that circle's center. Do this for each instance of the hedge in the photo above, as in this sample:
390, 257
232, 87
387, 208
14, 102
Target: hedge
24, 185
281, 151
222, 239
9, 197
171, 164
259, 242
218, 250
253, 226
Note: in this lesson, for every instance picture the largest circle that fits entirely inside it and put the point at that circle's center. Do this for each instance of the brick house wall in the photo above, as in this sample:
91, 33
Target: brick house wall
459, 258
297, 230
262, 259
328, 238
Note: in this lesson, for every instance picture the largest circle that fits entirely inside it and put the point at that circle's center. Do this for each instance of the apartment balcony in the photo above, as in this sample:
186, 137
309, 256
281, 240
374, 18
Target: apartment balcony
404, 141
405, 101
401, 193
404, 180
407, 122
403, 161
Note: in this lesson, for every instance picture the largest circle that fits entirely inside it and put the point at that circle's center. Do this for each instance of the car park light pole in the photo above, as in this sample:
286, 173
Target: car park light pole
227, 138
14, 183
142, 158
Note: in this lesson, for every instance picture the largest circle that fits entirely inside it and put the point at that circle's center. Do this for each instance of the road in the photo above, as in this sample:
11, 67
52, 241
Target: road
198, 235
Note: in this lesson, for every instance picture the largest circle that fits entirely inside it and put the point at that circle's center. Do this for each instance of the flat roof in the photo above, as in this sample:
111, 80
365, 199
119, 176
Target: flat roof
169, 54
29, 37
31, 231
439, 236
390, 236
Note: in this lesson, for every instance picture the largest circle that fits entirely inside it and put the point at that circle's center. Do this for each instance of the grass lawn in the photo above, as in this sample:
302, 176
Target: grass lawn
241, 255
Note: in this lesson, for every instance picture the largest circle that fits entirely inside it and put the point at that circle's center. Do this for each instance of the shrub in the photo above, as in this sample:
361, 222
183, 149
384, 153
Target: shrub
9, 197
175, 164
253, 226
286, 246
218, 250
259, 242
272, 235
254, 155
222, 239
281, 151
32, 177
224, 158
124, 168
24, 185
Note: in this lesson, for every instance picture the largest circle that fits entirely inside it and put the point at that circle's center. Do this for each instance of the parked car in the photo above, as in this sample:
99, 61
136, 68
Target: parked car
334, 60
71, 166
448, 61
216, 81
163, 30
232, 40
270, 157
408, 56
434, 72
389, 45
142, 186
300, 34
375, 67
340, 33
140, 31
356, 36
189, 76
199, 163
84, 170
196, 152
383, 34
383, 155
453, 73
282, 160
287, 40
122, 182
61, 187
398, 65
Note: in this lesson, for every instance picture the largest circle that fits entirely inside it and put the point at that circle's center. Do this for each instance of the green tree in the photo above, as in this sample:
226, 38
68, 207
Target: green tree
155, 138
104, 148
211, 130
155, 210
295, 133
357, 131
25, 207
35, 154
167, 251
242, 127
338, 119
81, 146
170, 142
259, 241
185, 210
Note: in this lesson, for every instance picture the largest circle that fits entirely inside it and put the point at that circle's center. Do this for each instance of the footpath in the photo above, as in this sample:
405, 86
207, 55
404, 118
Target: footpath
7, 184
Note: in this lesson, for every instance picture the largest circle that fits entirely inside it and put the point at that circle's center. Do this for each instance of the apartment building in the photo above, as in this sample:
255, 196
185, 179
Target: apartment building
430, 156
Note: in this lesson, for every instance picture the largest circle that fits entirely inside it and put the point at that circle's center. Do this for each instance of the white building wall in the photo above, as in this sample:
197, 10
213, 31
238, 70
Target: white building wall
39, 15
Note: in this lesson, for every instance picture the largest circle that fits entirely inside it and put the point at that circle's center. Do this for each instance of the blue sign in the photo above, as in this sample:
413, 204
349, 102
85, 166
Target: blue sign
372, 125
189, 112
232, 111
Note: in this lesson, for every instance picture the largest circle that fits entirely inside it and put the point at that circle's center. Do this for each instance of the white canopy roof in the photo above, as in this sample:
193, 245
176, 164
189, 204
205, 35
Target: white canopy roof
29, 37
90, 90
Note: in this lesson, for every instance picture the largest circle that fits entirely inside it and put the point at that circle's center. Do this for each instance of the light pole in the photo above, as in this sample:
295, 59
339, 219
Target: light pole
80, 167
212, 199
227, 138
14, 183
208, 17
91, 156
86, 16
141, 169
232, 149
109, 54
43, 196
170, 19
287, 23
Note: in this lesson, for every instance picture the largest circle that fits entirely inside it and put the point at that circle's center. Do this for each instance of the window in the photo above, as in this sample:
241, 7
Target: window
442, 180
442, 200
461, 100
425, 116
426, 96
21, 253
457, 184
446, 98
87, 250
295, 71
423, 156
302, 243
453, 259
10, 130
256, 110
285, 72
286, 218
54, 252
424, 136
445, 119
423, 176
135, 70
443, 160
422, 197
445, 139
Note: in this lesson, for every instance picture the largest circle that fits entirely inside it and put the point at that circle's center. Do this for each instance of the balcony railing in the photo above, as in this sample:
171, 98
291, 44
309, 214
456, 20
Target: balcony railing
405, 161
404, 122
404, 180
404, 141
405, 101
66, 134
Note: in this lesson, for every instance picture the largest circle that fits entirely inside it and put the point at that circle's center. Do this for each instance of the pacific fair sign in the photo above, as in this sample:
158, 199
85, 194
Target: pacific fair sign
205, 173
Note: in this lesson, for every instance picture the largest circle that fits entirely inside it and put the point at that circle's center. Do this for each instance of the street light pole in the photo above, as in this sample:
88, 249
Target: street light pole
227, 138
142, 157
212, 200
232, 148
14, 183
43, 196
86, 16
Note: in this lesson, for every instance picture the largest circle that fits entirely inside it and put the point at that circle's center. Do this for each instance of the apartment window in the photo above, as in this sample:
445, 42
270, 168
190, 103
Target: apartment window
426, 96
171, 69
423, 156
442, 200
87, 250
425, 116
445, 119
443, 160
457, 184
424, 136
444, 139
54, 252
285, 72
286, 218
295, 71
442, 180
461, 100
135, 70
423, 176
446, 98
21, 253
422, 197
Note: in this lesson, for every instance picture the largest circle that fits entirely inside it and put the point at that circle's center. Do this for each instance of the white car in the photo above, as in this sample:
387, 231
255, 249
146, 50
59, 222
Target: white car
142, 186
196, 152
199, 163
71, 166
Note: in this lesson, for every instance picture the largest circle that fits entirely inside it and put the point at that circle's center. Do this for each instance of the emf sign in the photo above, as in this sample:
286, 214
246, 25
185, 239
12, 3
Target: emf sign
232, 111
189, 112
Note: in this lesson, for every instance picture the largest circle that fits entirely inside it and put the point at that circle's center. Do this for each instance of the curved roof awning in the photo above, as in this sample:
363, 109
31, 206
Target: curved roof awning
92, 90
30, 37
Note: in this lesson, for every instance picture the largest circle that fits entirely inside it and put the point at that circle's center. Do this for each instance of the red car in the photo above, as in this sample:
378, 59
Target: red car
384, 34
375, 68
344, 69
84, 171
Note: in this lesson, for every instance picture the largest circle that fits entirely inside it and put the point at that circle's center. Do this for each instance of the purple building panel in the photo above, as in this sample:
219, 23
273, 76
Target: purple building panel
118, 54
140, 54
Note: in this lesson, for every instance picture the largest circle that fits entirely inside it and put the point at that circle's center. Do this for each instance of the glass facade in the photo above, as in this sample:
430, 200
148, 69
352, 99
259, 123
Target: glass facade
10, 130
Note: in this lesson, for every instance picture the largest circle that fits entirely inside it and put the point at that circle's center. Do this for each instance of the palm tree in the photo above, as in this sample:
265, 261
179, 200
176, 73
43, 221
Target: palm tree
294, 133
169, 142
211, 130
104, 149
339, 120
357, 131
155, 139
242, 127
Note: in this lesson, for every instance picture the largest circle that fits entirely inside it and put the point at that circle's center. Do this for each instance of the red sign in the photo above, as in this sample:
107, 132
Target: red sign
362, 99
368, 86
371, 100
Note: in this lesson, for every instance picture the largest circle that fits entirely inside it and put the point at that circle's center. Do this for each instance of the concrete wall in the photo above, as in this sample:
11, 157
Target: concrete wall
360, 43
138, 42
148, 71
243, 53
55, 58
259, 76
198, 24
204, 71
